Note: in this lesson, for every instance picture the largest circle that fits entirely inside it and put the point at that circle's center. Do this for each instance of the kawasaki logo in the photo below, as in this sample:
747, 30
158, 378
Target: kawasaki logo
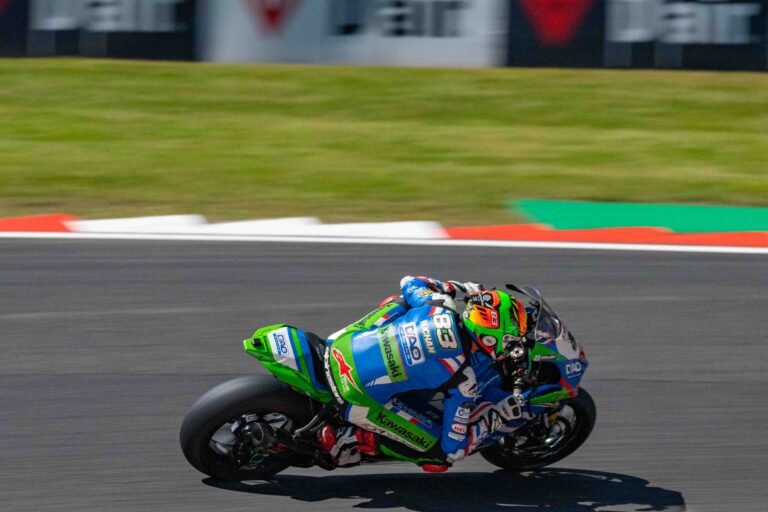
392, 358
402, 431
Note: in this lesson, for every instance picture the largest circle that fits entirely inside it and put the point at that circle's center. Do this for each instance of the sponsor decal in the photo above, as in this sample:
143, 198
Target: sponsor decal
282, 350
413, 437
107, 16
411, 345
462, 412
573, 368
398, 18
556, 22
456, 437
540, 357
485, 299
457, 419
329, 376
489, 341
345, 371
683, 22
426, 335
459, 428
391, 355
273, 14
495, 421
282, 345
468, 388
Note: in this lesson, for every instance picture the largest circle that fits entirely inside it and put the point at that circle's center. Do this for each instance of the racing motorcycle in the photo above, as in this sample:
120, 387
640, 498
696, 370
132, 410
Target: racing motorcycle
252, 427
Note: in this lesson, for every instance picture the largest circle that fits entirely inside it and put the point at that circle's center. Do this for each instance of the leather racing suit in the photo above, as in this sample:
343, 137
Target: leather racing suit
414, 342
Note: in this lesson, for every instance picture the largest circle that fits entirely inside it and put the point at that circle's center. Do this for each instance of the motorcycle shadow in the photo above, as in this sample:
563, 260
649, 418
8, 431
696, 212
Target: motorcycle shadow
564, 490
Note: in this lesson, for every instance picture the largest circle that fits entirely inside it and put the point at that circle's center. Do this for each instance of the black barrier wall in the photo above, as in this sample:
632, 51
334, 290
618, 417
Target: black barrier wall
14, 19
667, 34
138, 29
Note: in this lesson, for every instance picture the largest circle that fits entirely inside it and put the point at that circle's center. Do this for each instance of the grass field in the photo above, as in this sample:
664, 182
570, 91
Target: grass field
106, 138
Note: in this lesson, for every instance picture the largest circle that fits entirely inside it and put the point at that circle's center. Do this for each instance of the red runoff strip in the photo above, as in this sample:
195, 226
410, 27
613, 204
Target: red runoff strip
661, 236
37, 223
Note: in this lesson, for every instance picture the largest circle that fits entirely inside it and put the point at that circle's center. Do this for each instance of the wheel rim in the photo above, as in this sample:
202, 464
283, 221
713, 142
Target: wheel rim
562, 433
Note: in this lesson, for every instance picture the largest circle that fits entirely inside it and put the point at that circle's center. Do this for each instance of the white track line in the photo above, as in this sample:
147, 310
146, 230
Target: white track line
390, 241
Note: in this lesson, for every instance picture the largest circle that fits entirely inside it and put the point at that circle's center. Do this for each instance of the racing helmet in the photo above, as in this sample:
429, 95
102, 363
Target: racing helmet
496, 321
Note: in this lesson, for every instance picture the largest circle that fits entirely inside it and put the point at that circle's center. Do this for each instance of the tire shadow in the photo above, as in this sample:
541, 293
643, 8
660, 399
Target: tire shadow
563, 490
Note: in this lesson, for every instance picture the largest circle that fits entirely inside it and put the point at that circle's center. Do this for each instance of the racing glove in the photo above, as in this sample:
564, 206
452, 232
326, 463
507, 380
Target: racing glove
494, 418
467, 288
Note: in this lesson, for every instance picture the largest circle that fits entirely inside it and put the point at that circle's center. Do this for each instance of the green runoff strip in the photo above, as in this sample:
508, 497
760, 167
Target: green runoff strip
677, 217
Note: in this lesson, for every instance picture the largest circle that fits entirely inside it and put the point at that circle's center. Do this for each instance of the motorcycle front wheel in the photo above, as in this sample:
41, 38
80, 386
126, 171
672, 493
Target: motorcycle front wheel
570, 430
213, 435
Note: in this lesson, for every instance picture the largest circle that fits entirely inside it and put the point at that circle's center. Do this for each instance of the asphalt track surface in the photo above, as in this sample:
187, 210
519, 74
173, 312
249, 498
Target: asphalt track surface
106, 344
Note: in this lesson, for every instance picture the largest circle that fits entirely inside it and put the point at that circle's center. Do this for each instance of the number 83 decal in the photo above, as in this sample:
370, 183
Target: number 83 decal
446, 337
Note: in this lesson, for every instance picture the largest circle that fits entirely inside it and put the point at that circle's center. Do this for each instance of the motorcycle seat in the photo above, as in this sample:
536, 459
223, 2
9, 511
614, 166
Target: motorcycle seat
317, 353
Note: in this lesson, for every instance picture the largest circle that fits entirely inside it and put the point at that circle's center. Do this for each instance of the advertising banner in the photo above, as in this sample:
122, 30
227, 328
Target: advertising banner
556, 33
139, 29
13, 28
700, 34
367, 32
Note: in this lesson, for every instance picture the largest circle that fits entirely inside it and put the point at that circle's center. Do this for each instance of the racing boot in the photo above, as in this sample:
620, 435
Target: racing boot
346, 444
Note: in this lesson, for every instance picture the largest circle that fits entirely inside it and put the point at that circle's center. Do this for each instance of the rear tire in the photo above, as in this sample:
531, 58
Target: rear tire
512, 460
257, 394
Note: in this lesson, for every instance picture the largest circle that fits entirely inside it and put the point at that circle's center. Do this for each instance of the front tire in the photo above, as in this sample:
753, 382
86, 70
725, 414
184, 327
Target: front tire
222, 405
513, 458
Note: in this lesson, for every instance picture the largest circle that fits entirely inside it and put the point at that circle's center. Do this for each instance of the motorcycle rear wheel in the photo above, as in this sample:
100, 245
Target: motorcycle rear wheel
577, 424
221, 407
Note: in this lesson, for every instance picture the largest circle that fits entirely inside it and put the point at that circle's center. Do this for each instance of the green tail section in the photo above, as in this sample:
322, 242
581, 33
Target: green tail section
285, 353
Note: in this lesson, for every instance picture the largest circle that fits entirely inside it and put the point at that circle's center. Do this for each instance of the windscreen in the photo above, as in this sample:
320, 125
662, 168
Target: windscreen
547, 326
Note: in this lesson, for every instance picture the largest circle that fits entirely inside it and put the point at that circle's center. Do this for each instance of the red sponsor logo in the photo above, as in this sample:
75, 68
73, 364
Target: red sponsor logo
556, 21
344, 369
273, 14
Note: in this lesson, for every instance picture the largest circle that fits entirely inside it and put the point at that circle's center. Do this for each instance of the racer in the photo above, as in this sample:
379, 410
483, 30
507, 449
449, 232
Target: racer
419, 341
